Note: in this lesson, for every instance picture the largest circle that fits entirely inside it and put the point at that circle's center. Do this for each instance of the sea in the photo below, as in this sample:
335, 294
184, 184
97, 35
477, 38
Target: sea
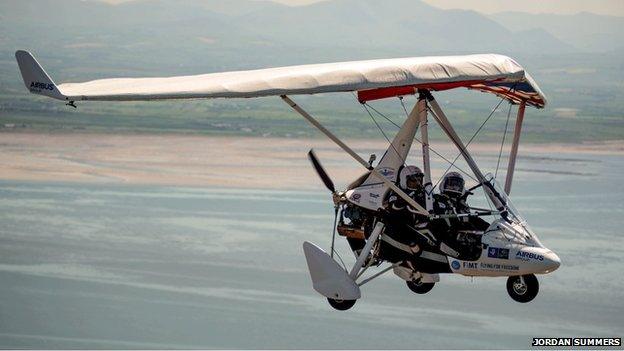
107, 266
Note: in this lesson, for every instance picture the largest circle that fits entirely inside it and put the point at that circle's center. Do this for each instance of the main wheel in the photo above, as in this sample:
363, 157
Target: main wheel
523, 288
419, 287
341, 305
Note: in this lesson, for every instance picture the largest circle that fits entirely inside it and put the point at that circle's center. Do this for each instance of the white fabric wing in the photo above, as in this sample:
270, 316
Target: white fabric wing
472, 71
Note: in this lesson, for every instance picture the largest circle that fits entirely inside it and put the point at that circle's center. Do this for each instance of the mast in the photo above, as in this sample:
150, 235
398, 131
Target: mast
424, 132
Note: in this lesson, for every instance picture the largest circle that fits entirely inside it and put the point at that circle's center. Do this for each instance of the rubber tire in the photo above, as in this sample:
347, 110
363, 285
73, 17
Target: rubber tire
532, 288
418, 287
341, 305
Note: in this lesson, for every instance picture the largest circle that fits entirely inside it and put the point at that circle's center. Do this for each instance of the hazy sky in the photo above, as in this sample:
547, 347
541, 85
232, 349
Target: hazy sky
604, 7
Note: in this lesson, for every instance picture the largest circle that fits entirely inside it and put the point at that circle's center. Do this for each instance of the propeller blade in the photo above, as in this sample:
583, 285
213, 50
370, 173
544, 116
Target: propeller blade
321, 171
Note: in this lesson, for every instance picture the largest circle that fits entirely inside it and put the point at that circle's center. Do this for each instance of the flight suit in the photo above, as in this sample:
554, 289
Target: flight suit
403, 237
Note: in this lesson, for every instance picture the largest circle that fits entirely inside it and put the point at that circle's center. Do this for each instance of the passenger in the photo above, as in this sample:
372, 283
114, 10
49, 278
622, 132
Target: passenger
452, 190
452, 193
450, 201
458, 239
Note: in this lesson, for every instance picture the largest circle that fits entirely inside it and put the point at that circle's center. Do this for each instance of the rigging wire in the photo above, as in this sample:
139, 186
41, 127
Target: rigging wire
382, 115
512, 88
471, 139
451, 164
341, 261
466, 146
500, 153
382, 132
364, 106
403, 104
418, 140
415, 138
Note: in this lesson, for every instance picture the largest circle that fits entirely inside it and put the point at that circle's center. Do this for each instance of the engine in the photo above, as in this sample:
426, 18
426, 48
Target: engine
355, 224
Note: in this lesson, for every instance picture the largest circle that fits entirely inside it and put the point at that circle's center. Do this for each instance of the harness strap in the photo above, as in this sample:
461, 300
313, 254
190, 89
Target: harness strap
448, 250
403, 247
433, 256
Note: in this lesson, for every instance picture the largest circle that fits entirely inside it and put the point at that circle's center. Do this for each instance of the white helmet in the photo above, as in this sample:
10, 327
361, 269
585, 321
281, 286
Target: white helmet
411, 177
452, 184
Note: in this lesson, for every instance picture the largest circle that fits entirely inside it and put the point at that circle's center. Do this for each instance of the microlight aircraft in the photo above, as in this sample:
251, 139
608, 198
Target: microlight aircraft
504, 246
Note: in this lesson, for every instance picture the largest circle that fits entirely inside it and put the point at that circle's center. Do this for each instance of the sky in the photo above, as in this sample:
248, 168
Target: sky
562, 7
603, 7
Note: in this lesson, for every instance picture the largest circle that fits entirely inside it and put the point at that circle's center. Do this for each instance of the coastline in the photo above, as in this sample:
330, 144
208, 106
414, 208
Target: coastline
217, 161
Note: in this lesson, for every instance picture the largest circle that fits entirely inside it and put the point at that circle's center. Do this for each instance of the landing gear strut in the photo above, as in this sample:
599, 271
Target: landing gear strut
523, 288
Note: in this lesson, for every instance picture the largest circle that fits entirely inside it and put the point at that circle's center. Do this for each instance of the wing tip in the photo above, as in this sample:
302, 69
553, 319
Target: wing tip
35, 78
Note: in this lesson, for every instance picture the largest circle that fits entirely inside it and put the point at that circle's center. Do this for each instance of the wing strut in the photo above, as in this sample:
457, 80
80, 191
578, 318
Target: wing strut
514, 147
357, 157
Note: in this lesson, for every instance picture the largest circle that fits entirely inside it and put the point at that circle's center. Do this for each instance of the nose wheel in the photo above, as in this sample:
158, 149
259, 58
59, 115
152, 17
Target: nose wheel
523, 288
419, 287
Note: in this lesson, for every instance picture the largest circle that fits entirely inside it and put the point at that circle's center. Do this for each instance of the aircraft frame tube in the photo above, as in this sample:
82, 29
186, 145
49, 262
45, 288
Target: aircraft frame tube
383, 271
366, 250
514, 148
324, 130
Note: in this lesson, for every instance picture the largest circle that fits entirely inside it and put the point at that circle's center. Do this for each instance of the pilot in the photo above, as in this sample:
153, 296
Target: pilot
411, 182
402, 237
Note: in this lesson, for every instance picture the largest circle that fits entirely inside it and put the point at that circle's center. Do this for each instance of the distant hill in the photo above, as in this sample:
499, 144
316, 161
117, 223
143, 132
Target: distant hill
179, 37
585, 31
407, 25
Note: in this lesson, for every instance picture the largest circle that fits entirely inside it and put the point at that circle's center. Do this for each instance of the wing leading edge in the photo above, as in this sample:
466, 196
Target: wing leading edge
492, 73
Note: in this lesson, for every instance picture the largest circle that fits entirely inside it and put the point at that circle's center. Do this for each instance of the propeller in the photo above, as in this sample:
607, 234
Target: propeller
330, 186
321, 171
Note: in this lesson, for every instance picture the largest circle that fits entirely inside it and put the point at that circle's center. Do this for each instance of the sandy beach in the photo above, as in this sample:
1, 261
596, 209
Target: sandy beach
191, 160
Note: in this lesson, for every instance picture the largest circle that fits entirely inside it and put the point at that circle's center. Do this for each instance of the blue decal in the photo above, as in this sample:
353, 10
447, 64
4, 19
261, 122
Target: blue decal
38, 85
496, 252
503, 253
387, 172
455, 265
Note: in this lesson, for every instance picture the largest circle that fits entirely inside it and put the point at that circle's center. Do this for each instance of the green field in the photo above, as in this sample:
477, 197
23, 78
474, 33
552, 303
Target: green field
270, 117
